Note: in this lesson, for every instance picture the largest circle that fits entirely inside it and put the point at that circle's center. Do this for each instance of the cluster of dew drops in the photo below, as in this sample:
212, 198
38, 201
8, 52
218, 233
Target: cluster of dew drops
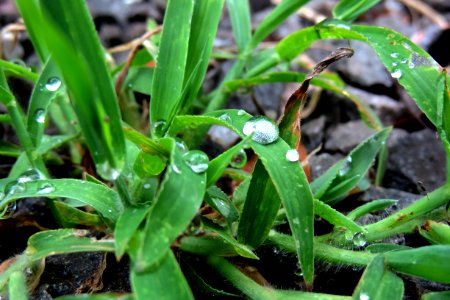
19, 186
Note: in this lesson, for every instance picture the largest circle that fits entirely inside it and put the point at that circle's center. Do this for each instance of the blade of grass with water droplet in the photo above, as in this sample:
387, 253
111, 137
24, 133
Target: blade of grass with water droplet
348, 10
80, 58
418, 72
169, 73
218, 200
51, 242
429, 262
17, 287
39, 101
377, 283
166, 282
337, 181
239, 12
335, 217
170, 213
102, 198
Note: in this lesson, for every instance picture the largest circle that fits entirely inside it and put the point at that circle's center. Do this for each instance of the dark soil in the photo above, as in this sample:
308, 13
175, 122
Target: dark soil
415, 164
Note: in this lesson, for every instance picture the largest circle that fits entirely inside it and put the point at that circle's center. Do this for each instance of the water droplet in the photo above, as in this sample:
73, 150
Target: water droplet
296, 221
159, 127
241, 112
349, 235
175, 169
196, 160
404, 60
8, 210
225, 118
181, 145
394, 54
346, 167
239, 160
108, 172
364, 296
46, 188
359, 240
396, 74
263, 129
147, 186
29, 175
53, 84
39, 116
406, 45
110, 210
14, 187
292, 155
394, 64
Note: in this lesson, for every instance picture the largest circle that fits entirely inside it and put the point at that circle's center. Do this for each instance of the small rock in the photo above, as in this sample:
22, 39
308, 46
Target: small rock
418, 160
386, 108
322, 162
313, 133
345, 137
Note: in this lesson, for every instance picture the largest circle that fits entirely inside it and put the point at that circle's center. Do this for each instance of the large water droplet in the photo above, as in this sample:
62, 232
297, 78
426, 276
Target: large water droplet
239, 160
159, 127
46, 188
29, 175
39, 116
349, 235
107, 171
53, 84
364, 296
241, 112
292, 155
181, 145
359, 240
397, 74
346, 167
14, 187
8, 210
225, 118
196, 160
263, 129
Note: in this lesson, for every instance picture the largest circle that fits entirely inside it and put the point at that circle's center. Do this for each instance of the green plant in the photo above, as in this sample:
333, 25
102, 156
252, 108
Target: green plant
155, 185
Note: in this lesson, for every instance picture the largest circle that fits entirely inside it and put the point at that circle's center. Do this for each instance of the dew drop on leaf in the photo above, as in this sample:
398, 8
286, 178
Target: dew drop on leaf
53, 84
14, 187
175, 169
394, 54
107, 171
46, 188
241, 112
181, 145
359, 240
264, 130
346, 167
29, 175
404, 60
147, 186
239, 160
225, 118
364, 296
39, 116
396, 74
292, 155
196, 160
159, 127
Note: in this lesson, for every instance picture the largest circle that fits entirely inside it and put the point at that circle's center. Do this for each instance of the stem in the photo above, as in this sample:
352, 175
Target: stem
324, 251
422, 206
239, 280
381, 167
18, 70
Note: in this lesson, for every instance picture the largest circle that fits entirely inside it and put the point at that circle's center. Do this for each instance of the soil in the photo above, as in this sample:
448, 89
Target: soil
415, 165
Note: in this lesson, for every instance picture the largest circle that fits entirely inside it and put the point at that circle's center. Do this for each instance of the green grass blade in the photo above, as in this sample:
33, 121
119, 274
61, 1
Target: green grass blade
169, 74
18, 265
436, 233
430, 262
18, 70
166, 282
40, 100
170, 214
51, 242
108, 296
239, 11
275, 18
377, 283
73, 217
205, 21
347, 173
92, 93
218, 200
348, 10
103, 199
335, 217
374, 205
126, 226
436, 296
17, 288
414, 68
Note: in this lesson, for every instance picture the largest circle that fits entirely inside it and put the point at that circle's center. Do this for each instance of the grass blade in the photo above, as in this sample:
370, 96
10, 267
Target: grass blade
436, 233
169, 74
239, 11
170, 215
51, 242
374, 205
348, 10
377, 283
103, 199
166, 282
17, 288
